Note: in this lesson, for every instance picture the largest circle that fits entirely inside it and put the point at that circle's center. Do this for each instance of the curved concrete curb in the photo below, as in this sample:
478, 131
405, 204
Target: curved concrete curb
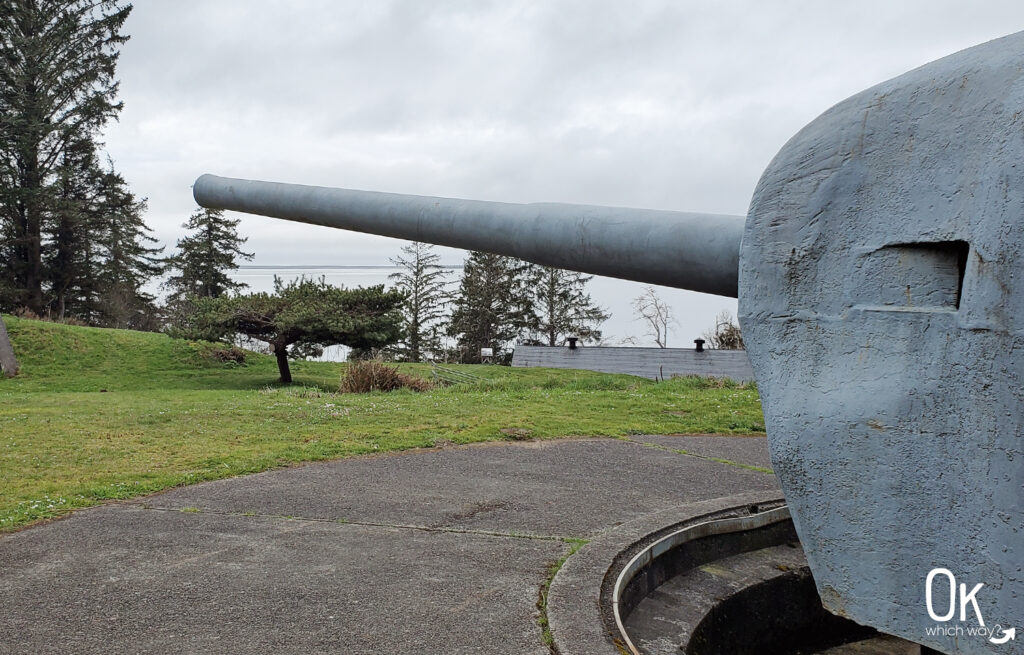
651, 556
579, 623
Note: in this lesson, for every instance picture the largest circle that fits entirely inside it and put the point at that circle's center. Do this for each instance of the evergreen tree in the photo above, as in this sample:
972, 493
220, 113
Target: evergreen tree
126, 262
561, 307
57, 89
69, 261
423, 281
205, 257
490, 308
303, 316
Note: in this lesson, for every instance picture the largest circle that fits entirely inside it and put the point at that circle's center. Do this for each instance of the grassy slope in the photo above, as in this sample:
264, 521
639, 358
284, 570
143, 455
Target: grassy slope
98, 414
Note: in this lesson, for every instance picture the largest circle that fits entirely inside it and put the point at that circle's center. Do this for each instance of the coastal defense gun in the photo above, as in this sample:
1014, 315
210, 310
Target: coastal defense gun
881, 287
692, 251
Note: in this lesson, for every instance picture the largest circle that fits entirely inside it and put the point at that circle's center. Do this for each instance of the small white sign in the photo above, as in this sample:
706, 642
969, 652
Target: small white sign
487, 352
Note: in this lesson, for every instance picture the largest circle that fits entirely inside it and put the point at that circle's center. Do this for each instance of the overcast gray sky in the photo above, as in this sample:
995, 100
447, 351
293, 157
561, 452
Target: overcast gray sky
673, 105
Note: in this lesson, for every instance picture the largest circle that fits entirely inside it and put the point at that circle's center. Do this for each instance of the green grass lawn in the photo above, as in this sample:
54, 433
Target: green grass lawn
99, 414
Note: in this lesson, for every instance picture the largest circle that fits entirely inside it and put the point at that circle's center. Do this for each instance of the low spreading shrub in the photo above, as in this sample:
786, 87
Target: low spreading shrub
373, 375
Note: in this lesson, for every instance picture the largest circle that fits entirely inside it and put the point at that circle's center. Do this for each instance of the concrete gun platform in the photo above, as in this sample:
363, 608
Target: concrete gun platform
442, 550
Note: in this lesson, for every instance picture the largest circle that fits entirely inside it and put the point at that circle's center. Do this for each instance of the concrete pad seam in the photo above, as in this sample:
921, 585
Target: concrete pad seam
373, 524
717, 460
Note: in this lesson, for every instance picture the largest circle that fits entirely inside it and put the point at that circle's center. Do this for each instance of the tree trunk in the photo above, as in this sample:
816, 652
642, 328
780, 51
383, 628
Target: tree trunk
32, 182
8, 364
34, 274
281, 352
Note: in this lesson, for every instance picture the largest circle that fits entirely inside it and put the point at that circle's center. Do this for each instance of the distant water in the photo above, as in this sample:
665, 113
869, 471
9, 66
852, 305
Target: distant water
694, 312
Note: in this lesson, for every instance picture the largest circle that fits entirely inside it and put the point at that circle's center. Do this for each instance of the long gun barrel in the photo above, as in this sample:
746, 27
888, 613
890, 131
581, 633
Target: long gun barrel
685, 250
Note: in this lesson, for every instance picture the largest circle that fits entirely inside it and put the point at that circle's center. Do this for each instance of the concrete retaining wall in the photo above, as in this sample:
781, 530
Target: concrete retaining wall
644, 362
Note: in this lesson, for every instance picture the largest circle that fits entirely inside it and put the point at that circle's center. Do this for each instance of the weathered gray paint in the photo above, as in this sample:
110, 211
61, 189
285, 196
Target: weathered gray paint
881, 302
892, 392
678, 249
8, 363
644, 362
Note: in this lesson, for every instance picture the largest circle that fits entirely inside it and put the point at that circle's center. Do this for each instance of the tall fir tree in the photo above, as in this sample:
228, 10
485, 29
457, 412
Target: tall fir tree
57, 89
127, 262
424, 282
206, 257
490, 308
69, 260
560, 307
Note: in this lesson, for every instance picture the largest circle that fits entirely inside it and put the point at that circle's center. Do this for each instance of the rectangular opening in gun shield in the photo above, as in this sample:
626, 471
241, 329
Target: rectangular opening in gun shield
911, 276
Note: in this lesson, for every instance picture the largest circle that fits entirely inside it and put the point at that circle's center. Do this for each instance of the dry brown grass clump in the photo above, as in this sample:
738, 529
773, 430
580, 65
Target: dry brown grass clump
373, 375
26, 313
414, 383
226, 355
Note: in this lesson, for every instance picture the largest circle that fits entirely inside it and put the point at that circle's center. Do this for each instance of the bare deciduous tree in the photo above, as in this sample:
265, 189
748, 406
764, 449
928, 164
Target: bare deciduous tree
726, 335
655, 313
